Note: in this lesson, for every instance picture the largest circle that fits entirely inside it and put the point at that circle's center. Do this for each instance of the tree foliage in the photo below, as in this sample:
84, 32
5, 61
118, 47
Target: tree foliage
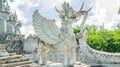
76, 29
103, 39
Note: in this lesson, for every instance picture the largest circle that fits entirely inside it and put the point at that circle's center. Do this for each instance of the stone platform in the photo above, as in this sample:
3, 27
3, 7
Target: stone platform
60, 65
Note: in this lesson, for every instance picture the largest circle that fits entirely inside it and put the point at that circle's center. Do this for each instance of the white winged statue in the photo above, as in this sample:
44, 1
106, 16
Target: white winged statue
55, 39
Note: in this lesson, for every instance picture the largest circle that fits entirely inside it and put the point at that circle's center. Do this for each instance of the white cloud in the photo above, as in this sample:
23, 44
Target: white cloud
22, 8
111, 7
18, 6
105, 11
14, 8
27, 30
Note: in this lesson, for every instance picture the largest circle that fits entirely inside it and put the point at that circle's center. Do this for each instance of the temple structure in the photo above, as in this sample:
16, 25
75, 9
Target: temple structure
9, 27
8, 21
11, 40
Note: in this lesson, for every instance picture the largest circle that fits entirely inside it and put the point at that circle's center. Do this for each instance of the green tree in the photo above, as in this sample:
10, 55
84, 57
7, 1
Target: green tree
76, 29
102, 39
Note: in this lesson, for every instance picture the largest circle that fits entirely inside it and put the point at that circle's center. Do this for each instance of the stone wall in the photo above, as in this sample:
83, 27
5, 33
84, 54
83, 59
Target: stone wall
30, 44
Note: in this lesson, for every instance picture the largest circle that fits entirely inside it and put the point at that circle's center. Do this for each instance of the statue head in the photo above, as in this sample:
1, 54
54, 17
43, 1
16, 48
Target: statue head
68, 13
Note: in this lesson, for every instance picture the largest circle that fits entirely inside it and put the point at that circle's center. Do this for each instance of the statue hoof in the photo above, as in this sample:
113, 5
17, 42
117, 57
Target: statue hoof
49, 62
71, 65
42, 64
77, 63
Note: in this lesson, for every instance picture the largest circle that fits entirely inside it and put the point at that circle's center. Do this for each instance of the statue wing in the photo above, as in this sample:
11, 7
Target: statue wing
46, 29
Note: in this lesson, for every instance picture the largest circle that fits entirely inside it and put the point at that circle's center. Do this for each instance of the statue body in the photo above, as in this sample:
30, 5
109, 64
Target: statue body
66, 42
51, 38
54, 39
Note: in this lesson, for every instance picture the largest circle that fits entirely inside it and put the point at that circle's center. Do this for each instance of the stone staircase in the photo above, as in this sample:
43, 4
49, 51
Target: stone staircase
15, 61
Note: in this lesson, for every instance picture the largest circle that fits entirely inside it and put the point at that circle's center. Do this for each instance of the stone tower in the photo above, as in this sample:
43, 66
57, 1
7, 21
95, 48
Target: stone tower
9, 28
8, 21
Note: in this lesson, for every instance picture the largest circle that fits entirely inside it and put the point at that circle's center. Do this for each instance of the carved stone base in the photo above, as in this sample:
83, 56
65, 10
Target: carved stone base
3, 53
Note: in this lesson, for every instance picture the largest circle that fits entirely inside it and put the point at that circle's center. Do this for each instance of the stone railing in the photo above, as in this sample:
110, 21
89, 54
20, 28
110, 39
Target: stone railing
87, 55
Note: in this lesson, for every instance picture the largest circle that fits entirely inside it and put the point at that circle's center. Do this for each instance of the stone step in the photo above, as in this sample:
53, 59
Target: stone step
11, 54
14, 60
25, 65
10, 57
16, 64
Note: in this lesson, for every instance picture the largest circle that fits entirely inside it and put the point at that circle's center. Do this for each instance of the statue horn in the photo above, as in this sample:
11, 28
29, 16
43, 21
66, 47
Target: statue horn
79, 12
82, 6
58, 11
89, 9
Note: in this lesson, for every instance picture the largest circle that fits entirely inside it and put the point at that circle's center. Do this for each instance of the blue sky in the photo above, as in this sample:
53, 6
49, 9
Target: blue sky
11, 0
104, 11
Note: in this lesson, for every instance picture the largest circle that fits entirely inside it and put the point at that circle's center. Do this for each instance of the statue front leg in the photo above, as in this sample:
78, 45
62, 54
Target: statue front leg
47, 57
73, 55
40, 60
40, 56
65, 58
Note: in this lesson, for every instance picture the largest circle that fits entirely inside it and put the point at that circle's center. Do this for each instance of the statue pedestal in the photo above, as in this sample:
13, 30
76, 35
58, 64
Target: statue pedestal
3, 51
53, 65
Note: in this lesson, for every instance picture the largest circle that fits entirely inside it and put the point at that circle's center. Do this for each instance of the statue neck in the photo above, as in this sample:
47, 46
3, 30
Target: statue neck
66, 27
83, 20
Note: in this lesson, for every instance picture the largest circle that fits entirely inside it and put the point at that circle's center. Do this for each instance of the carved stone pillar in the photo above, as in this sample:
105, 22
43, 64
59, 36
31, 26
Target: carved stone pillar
3, 51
